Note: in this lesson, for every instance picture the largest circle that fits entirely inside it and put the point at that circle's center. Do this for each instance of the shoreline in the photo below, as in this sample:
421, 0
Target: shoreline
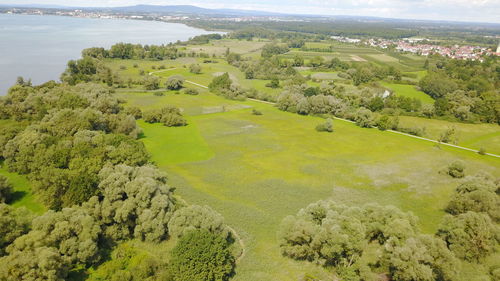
186, 23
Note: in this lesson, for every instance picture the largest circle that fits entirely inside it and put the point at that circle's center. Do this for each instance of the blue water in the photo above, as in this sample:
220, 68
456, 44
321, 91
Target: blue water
38, 47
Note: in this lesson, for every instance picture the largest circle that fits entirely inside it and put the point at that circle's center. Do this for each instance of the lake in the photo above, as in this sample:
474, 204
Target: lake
38, 47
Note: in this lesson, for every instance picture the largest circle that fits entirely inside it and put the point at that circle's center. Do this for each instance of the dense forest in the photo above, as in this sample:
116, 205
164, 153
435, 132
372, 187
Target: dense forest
79, 147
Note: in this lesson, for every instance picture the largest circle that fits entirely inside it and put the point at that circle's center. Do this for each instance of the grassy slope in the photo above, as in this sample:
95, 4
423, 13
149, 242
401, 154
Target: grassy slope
256, 170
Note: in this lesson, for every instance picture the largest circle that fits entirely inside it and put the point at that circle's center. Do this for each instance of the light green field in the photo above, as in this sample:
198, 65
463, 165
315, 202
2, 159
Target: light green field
256, 170
219, 47
383, 58
23, 196
476, 136
409, 91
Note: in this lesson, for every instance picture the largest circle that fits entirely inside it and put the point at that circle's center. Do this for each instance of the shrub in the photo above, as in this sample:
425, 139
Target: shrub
122, 67
159, 94
275, 83
190, 91
5, 190
175, 82
195, 68
448, 136
325, 127
456, 169
256, 112
136, 65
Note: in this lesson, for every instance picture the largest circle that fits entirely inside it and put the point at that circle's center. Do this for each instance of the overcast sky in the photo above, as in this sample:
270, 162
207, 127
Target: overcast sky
460, 10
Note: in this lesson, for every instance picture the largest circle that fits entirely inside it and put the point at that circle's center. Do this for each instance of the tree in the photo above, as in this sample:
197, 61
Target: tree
15, 222
470, 236
133, 202
364, 118
196, 217
478, 194
40, 263
151, 82
421, 258
195, 68
174, 82
201, 255
5, 190
219, 83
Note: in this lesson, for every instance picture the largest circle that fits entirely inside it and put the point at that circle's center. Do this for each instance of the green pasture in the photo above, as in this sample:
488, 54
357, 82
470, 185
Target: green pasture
23, 196
409, 91
476, 136
255, 170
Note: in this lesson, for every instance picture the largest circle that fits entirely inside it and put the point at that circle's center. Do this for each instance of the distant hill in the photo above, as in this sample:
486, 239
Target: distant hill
188, 9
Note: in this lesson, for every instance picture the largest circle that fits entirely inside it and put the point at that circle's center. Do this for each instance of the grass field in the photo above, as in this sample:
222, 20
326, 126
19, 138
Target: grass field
476, 136
23, 196
256, 170
409, 91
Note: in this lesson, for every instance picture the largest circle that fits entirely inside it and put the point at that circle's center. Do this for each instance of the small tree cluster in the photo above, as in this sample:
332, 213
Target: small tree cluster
170, 116
175, 82
201, 255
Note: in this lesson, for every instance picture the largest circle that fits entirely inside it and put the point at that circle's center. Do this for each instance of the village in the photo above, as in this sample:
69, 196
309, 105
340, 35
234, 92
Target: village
423, 47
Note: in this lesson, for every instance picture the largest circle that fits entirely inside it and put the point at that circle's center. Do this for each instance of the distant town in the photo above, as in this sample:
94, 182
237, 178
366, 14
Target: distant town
421, 46
418, 46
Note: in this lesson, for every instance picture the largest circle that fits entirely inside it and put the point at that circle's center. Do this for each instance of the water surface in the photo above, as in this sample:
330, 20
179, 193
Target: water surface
38, 47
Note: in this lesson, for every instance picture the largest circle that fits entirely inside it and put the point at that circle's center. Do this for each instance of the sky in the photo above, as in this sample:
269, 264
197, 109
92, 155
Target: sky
455, 10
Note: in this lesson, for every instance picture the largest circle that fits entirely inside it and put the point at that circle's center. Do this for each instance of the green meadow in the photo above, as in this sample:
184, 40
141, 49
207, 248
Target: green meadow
256, 170
409, 91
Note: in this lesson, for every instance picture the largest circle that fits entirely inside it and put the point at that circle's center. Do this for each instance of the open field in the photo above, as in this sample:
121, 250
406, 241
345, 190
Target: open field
409, 91
476, 136
256, 170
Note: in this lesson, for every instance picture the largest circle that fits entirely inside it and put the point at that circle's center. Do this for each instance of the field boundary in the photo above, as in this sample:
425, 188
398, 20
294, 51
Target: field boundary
391, 131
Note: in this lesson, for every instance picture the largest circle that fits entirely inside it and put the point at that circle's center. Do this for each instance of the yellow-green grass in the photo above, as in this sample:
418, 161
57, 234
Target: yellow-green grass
23, 196
476, 136
266, 167
219, 47
409, 91
318, 45
177, 145
383, 58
